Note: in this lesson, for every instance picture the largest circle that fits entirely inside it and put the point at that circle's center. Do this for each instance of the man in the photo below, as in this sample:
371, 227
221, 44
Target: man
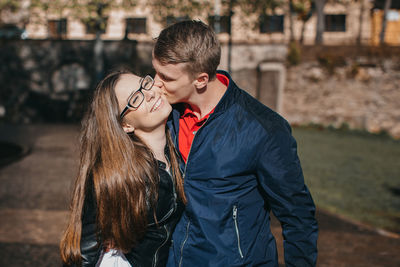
240, 162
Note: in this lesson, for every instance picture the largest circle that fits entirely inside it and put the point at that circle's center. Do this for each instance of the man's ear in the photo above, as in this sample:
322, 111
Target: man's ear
201, 80
128, 128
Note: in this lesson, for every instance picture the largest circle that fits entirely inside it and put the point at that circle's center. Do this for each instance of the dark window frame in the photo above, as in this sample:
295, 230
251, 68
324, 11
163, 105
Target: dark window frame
57, 28
224, 23
136, 25
272, 24
335, 22
379, 4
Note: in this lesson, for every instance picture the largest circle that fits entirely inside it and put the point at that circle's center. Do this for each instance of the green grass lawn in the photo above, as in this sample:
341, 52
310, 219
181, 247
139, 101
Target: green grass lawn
353, 174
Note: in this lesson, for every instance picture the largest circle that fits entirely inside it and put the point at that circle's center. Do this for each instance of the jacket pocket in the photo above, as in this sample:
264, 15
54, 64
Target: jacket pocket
235, 221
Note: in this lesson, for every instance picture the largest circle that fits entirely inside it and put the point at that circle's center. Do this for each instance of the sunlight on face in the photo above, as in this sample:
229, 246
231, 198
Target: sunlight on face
177, 83
153, 111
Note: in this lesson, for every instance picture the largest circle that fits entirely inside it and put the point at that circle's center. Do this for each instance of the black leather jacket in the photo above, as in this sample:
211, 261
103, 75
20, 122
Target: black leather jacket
153, 248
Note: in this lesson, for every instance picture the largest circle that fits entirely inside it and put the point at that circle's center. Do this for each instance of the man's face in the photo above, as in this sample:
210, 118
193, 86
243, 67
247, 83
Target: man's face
178, 85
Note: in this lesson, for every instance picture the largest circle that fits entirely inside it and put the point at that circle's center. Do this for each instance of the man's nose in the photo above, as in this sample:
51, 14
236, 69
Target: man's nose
149, 94
157, 81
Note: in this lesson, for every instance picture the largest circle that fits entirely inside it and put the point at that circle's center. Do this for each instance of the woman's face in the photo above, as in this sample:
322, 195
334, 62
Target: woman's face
152, 112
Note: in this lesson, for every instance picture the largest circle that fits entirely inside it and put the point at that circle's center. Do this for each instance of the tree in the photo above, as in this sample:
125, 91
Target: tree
319, 5
386, 7
41, 10
93, 13
9, 6
190, 8
197, 8
304, 10
8, 9
291, 23
163, 9
259, 7
361, 21
90, 12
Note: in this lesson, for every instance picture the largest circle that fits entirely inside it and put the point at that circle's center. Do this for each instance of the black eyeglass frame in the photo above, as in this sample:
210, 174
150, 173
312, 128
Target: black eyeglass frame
128, 105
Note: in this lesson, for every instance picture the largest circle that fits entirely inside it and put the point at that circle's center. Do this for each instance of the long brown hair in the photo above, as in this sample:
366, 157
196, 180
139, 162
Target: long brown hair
123, 172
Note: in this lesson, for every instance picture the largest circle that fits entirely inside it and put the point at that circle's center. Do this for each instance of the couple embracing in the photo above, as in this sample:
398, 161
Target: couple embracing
191, 184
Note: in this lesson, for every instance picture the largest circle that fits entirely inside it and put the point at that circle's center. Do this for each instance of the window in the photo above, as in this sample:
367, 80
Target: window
271, 23
136, 25
57, 28
94, 25
223, 22
381, 3
172, 19
335, 23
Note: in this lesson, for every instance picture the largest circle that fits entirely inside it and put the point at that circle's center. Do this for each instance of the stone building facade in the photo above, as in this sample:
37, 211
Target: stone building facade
344, 22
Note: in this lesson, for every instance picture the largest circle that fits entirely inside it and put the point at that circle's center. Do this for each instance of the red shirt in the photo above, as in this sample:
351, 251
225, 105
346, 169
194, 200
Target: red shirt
189, 124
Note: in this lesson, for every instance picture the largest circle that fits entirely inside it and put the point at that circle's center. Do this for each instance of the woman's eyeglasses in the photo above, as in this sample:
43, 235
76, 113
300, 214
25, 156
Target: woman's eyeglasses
136, 98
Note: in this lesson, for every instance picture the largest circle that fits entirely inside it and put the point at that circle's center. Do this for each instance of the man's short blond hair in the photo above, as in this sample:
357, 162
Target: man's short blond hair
191, 42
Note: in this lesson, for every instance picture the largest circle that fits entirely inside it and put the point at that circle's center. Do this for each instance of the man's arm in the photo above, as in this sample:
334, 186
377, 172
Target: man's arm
280, 175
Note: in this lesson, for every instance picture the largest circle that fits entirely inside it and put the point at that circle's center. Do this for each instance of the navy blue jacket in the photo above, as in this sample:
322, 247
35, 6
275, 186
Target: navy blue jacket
243, 163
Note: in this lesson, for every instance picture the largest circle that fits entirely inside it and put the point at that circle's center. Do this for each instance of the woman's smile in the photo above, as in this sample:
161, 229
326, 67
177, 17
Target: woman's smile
157, 104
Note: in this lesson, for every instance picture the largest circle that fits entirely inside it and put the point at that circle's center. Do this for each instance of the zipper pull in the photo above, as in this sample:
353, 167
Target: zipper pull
234, 212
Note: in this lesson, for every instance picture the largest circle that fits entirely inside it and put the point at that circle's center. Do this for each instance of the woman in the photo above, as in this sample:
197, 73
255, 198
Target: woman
128, 195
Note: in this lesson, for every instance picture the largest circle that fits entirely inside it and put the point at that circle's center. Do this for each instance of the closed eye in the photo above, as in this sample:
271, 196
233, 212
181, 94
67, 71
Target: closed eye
135, 99
165, 78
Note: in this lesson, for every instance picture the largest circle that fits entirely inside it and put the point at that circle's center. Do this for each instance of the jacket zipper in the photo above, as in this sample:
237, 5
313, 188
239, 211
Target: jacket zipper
172, 180
165, 241
166, 216
184, 176
184, 241
234, 215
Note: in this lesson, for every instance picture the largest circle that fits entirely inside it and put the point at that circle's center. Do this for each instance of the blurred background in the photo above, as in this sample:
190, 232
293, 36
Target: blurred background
330, 67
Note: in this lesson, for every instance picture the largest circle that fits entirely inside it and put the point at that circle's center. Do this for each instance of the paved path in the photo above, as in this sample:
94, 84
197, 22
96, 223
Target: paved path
35, 190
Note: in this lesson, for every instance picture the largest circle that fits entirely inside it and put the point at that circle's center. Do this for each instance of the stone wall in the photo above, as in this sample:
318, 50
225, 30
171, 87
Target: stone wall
361, 93
50, 80
355, 87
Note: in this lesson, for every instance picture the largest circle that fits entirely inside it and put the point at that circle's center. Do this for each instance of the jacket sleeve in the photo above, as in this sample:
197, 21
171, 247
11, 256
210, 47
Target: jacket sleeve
90, 243
280, 175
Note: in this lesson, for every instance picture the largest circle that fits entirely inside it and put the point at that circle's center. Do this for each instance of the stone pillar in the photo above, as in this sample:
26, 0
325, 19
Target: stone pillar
271, 81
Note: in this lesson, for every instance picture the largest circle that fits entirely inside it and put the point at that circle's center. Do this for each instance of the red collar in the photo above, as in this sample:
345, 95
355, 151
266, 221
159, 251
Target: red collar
189, 112
223, 79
